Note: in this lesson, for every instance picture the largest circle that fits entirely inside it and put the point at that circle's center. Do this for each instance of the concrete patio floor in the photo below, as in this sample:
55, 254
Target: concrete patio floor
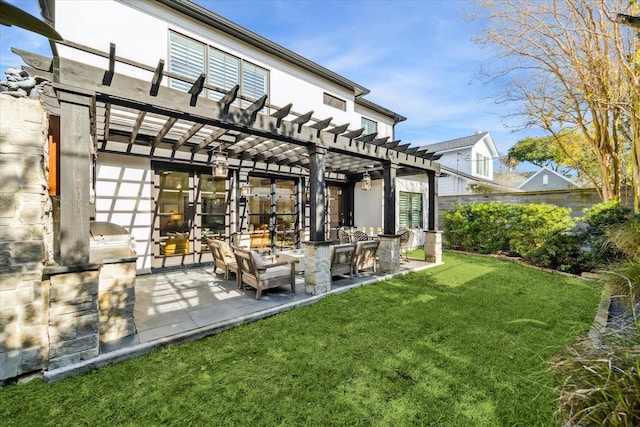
183, 305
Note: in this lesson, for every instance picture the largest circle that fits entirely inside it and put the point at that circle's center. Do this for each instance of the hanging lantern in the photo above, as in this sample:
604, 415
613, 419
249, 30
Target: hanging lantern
220, 165
245, 190
366, 182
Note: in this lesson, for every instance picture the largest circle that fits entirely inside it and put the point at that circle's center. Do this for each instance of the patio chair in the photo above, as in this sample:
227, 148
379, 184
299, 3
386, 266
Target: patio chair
342, 257
344, 236
359, 236
253, 271
223, 257
406, 242
366, 256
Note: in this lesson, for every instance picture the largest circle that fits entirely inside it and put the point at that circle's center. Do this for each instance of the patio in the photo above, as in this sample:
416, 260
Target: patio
178, 306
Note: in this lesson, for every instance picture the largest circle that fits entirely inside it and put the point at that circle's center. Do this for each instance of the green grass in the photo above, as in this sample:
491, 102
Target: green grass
462, 344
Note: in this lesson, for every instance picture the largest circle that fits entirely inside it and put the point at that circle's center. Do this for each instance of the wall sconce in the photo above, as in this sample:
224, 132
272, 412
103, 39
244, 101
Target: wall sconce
366, 182
220, 165
307, 193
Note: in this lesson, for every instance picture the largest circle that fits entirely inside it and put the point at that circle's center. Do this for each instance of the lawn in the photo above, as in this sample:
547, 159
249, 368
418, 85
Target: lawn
462, 344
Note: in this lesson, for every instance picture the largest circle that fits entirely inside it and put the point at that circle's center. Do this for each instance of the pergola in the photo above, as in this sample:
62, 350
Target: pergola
106, 110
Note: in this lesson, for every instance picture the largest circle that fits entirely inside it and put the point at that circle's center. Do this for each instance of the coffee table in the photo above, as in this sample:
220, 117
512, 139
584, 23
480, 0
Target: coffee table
297, 255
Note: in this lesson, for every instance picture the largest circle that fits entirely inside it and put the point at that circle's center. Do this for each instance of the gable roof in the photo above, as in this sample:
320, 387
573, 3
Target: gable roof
546, 169
455, 144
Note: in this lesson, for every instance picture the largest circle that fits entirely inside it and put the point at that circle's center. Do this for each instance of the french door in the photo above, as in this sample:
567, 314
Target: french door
189, 205
273, 212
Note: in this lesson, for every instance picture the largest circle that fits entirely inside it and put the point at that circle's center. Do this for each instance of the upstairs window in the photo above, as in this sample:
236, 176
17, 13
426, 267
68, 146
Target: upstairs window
334, 102
369, 126
224, 70
190, 58
187, 59
482, 165
410, 210
254, 81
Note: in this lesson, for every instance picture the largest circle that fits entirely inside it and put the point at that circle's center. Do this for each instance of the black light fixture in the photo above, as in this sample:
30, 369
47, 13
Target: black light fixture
366, 182
220, 164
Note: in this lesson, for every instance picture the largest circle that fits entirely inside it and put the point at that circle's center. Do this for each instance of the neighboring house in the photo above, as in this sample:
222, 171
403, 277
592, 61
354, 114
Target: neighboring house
547, 179
467, 165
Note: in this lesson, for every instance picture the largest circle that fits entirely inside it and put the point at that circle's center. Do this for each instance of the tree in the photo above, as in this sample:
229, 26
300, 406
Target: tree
538, 151
546, 152
569, 68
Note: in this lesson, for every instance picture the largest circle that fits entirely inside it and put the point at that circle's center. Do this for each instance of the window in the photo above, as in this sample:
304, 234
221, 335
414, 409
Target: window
369, 126
190, 58
410, 210
254, 81
482, 165
223, 71
186, 58
334, 102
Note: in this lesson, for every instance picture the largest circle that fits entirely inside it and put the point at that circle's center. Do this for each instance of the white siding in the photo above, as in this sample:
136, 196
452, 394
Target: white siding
123, 196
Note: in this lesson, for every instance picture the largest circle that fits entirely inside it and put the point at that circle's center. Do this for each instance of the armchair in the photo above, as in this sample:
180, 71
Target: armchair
365, 256
223, 257
342, 259
406, 241
253, 271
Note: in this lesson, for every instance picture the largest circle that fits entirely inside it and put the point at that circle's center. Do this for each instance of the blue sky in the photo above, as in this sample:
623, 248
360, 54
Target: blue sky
416, 57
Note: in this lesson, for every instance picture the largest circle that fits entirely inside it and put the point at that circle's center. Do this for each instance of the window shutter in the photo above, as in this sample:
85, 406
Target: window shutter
186, 57
403, 220
223, 72
254, 81
416, 210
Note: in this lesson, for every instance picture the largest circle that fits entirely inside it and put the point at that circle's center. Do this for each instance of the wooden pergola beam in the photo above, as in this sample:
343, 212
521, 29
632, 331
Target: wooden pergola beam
170, 103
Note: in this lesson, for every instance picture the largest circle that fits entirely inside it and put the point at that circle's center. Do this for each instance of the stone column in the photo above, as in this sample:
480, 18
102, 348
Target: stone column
117, 298
73, 315
433, 246
26, 237
317, 273
389, 253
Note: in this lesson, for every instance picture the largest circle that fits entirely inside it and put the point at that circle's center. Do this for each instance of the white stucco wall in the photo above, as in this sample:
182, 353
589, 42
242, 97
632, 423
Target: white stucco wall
123, 196
368, 206
140, 31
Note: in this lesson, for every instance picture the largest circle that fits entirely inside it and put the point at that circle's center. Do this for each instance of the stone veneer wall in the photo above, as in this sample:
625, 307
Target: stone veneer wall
74, 319
117, 297
25, 236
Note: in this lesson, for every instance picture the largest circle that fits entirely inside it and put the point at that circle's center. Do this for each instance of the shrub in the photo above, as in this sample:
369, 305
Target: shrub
624, 276
544, 235
600, 219
601, 385
481, 227
597, 388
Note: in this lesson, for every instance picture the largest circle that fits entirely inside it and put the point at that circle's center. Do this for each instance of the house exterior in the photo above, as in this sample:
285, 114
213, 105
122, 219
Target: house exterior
177, 125
546, 179
467, 165
194, 41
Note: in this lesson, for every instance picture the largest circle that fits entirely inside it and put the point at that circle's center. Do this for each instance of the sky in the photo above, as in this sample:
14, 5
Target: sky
417, 57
